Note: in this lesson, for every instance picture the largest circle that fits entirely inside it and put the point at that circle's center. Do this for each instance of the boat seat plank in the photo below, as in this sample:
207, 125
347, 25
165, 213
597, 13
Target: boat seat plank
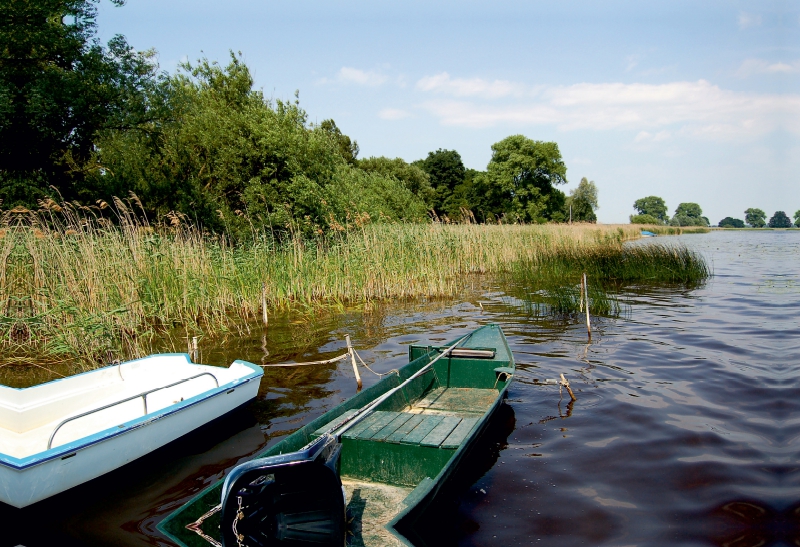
375, 423
458, 400
335, 423
439, 433
460, 433
421, 431
391, 427
354, 431
405, 429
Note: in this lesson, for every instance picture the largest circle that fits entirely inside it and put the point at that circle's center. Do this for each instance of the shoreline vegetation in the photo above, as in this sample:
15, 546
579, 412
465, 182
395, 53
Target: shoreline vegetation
77, 287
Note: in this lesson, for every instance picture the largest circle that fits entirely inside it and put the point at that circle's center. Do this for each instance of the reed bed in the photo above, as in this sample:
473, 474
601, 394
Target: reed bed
74, 285
551, 283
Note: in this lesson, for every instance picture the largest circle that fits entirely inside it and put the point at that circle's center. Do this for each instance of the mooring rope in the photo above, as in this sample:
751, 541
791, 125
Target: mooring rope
324, 362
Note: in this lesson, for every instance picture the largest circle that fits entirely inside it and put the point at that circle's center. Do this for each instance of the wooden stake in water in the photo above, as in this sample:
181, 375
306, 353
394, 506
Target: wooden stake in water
264, 304
194, 349
353, 360
565, 383
586, 292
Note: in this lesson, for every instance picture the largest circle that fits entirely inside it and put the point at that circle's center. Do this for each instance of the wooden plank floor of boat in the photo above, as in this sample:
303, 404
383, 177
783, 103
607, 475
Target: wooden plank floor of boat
370, 506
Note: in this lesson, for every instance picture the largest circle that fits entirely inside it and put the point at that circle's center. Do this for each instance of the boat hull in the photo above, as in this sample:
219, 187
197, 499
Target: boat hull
410, 445
64, 467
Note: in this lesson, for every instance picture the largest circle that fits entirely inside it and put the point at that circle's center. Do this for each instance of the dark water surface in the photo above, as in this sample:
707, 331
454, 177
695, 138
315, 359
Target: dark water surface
686, 430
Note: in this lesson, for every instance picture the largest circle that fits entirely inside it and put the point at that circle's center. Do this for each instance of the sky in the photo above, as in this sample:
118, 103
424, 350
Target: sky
693, 101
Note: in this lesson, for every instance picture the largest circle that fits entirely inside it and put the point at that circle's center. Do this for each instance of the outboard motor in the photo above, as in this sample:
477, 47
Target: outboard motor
291, 500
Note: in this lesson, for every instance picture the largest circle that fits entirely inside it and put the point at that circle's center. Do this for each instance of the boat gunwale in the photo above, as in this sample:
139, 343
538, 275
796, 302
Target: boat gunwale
21, 464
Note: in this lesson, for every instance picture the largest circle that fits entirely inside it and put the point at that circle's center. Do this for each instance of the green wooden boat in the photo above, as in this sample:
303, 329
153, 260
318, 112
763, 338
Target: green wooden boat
390, 449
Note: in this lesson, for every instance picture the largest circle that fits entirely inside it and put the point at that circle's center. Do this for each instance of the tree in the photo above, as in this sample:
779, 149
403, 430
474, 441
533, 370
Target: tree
583, 202
689, 214
653, 206
59, 87
780, 220
797, 218
729, 222
519, 182
347, 148
412, 176
755, 217
446, 171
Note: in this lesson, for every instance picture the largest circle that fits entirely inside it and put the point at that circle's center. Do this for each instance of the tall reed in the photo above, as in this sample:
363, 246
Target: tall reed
75, 285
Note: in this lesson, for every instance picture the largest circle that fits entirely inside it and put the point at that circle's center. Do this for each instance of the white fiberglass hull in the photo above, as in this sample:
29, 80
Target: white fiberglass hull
24, 481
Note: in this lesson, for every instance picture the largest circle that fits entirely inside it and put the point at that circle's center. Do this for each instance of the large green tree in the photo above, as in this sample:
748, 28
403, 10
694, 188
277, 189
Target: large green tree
654, 207
797, 218
232, 160
59, 87
689, 214
755, 217
582, 202
520, 182
780, 220
348, 148
446, 171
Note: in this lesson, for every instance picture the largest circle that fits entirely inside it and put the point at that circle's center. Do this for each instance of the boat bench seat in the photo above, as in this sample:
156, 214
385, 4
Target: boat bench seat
432, 430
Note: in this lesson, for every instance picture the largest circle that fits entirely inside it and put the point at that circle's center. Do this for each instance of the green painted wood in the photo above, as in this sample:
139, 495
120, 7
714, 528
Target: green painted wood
398, 464
460, 433
383, 419
405, 429
391, 427
504, 370
439, 433
426, 426
354, 431
335, 423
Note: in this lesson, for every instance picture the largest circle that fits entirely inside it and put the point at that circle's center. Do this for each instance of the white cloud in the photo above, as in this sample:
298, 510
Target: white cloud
393, 114
659, 110
349, 75
747, 20
750, 67
469, 87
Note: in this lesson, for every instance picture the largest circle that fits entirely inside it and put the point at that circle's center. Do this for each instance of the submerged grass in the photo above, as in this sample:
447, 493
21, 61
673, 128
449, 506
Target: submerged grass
75, 286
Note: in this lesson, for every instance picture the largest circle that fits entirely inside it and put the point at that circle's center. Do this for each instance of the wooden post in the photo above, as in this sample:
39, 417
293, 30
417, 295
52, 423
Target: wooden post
353, 360
581, 294
565, 383
264, 304
586, 291
194, 349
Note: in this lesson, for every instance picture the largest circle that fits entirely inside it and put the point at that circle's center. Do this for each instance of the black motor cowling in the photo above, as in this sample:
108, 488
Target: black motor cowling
291, 500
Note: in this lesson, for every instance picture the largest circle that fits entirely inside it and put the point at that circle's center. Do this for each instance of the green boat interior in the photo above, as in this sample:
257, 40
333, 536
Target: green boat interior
390, 459
414, 433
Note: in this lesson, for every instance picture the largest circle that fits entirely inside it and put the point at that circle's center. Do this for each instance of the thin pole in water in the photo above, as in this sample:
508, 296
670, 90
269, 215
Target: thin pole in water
586, 292
353, 360
194, 349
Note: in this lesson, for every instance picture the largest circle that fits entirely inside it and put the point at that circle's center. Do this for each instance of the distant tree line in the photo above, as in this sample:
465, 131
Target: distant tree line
756, 218
85, 122
653, 210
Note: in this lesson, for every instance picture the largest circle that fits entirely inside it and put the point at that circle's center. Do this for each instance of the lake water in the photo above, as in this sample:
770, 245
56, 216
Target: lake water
686, 428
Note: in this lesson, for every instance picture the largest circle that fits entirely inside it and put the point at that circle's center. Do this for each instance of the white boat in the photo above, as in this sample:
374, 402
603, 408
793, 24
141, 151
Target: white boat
58, 435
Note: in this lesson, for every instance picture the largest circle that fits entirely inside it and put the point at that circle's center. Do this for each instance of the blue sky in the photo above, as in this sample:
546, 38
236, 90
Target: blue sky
691, 101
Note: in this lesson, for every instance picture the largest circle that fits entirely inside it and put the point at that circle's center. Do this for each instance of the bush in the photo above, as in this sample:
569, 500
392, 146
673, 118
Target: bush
644, 219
